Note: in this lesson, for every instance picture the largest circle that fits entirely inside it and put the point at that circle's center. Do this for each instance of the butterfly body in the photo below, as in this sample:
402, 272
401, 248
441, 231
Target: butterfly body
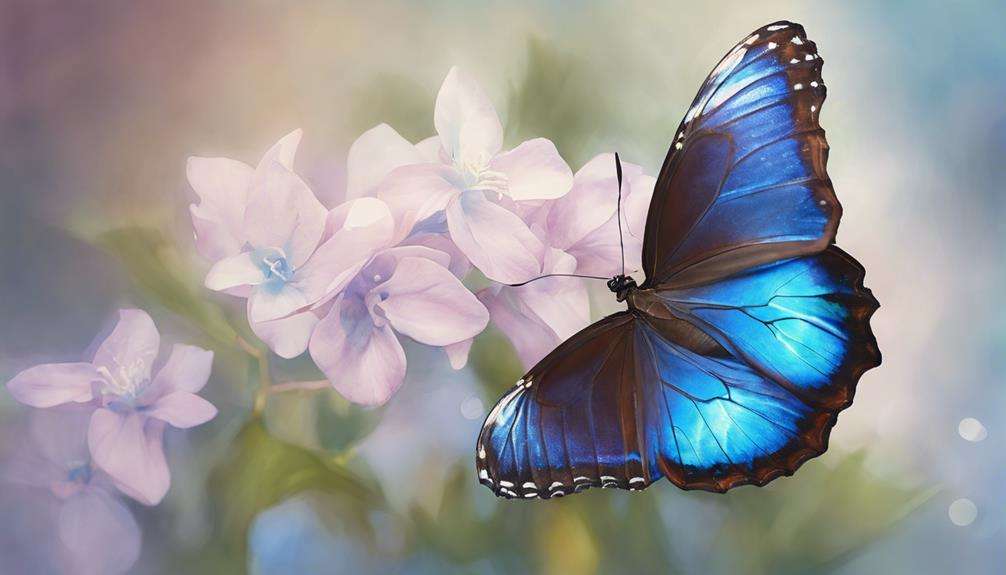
747, 337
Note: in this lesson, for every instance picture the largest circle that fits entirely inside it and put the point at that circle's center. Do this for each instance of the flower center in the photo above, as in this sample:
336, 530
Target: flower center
478, 177
275, 267
79, 473
125, 380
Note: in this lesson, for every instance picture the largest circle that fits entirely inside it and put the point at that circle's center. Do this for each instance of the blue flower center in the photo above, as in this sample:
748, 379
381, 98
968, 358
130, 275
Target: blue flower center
79, 473
275, 267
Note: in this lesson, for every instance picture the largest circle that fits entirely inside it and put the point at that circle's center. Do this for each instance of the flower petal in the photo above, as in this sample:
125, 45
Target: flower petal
599, 251
416, 192
373, 156
287, 337
182, 409
283, 151
560, 303
494, 239
426, 302
432, 151
60, 435
469, 128
366, 226
234, 271
592, 201
365, 363
284, 213
52, 384
534, 170
129, 448
531, 338
187, 369
457, 353
99, 534
132, 346
268, 303
222, 186
452, 257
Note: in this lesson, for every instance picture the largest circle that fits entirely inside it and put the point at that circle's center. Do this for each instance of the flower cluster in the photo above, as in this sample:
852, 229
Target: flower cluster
344, 284
100, 430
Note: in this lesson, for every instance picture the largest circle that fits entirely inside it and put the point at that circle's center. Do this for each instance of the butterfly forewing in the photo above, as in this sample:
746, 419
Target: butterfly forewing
745, 181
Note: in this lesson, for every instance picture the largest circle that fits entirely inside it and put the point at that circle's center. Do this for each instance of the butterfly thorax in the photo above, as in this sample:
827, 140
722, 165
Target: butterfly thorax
621, 286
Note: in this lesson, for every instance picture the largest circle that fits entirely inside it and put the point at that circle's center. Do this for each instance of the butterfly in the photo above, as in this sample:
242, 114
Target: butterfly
735, 356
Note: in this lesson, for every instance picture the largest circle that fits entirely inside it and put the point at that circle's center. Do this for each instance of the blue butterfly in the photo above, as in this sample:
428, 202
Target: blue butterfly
751, 330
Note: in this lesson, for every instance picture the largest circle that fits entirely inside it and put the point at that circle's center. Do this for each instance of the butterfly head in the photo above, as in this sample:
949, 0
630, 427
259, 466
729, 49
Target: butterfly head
621, 285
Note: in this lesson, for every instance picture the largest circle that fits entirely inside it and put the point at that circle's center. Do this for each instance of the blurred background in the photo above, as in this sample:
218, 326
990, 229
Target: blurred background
101, 102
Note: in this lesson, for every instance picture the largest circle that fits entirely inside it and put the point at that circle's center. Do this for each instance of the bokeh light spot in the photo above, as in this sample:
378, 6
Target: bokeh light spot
963, 512
472, 408
972, 429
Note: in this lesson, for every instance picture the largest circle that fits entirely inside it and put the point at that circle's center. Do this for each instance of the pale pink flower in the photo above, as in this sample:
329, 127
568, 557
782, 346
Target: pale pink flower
224, 187
404, 290
583, 222
284, 257
95, 532
467, 184
132, 407
581, 230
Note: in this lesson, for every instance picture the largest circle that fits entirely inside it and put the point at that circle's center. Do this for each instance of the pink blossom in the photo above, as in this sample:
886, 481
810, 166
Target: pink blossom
581, 230
131, 407
584, 224
224, 187
404, 290
469, 185
95, 531
289, 253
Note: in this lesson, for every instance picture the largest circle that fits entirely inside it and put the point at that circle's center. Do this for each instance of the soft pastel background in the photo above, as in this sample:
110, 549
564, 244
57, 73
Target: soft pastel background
101, 102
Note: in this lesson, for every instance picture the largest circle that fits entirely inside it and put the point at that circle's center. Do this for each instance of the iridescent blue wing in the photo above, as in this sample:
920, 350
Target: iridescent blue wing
634, 397
802, 322
744, 181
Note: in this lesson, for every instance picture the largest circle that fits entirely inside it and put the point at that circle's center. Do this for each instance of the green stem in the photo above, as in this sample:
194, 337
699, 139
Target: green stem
264, 377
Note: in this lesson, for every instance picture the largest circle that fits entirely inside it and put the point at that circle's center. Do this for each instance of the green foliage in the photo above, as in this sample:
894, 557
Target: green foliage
341, 424
556, 99
397, 101
495, 362
815, 521
262, 471
160, 277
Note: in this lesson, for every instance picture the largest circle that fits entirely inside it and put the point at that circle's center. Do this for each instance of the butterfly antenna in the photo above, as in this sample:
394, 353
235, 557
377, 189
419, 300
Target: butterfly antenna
621, 243
557, 276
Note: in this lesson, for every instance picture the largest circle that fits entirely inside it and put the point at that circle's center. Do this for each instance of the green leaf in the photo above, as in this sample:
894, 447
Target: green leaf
160, 277
557, 99
263, 471
342, 424
816, 520
397, 101
494, 360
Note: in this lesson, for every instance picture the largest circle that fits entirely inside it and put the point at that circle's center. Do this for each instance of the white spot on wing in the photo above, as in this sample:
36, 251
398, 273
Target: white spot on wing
797, 40
777, 27
798, 86
772, 45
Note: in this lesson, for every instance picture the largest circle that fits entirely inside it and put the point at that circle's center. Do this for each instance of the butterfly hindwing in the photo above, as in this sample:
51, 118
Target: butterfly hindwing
803, 322
632, 398
745, 181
